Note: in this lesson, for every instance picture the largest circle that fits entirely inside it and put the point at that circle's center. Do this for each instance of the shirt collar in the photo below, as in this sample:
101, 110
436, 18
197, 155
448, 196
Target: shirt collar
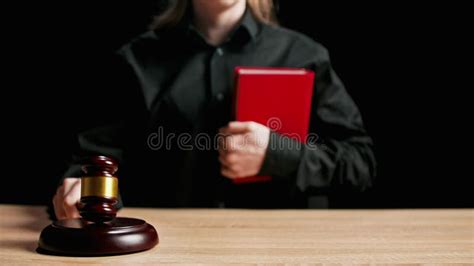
248, 24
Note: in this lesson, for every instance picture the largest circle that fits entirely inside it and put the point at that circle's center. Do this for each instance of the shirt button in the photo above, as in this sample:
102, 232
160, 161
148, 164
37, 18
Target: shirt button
220, 51
220, 96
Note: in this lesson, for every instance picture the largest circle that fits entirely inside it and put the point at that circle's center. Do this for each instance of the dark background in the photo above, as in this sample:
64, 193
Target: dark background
402, 64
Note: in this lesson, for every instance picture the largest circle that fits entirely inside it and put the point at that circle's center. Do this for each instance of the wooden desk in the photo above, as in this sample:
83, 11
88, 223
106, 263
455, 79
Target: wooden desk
282, 236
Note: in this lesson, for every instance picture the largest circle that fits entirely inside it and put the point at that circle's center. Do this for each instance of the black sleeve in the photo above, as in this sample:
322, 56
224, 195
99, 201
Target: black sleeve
113, 108
338, 151
108, 117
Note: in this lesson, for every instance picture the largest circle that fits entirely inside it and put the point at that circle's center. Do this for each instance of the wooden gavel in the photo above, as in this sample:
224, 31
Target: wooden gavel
99, 189
99, 232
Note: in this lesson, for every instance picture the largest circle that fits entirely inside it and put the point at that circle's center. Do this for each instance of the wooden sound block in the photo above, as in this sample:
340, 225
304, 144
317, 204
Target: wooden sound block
78, 237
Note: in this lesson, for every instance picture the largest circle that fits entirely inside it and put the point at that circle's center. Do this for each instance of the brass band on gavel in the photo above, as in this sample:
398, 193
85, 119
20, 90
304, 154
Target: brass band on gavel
100, 186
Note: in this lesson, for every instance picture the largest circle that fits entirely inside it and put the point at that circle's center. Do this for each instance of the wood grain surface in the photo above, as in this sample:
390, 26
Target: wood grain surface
223, 236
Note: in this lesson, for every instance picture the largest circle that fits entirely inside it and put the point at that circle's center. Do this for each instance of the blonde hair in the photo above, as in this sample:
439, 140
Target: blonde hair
263, 10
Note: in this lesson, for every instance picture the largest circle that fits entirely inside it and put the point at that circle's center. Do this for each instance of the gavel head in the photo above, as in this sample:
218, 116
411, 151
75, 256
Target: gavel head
99, 189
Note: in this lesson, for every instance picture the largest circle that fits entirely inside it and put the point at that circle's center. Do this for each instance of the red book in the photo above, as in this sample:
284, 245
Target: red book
279, 98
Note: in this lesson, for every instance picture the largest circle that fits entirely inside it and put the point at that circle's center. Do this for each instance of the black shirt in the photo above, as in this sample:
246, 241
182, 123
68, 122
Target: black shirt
170, 83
